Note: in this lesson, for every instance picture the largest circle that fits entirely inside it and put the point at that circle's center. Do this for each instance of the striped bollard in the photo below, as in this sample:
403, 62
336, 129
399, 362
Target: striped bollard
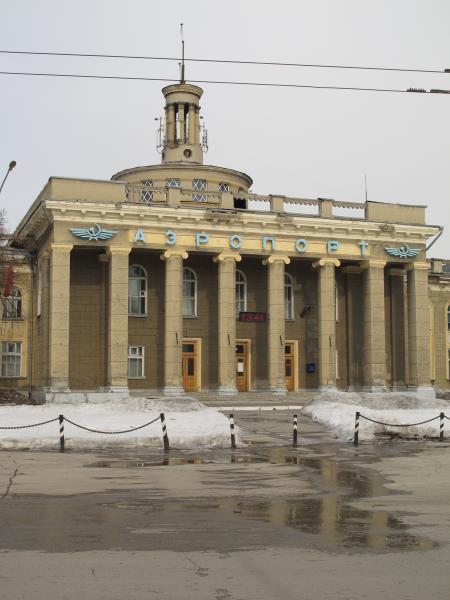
295, 433
61, 433
164, 430
232, 434
356, 434
441, 427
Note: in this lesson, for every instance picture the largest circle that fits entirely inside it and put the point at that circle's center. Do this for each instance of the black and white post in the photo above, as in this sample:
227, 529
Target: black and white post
164, 430
232, 433
356, 434
61, 433
441, 427
295, 433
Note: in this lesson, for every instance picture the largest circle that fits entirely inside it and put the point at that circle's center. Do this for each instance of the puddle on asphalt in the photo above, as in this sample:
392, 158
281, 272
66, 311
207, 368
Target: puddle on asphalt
328, 518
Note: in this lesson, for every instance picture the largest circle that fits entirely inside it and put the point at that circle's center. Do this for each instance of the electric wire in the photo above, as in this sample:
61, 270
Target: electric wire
229, 61
210, 81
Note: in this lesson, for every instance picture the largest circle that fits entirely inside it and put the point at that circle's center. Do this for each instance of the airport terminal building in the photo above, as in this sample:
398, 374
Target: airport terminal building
176, 278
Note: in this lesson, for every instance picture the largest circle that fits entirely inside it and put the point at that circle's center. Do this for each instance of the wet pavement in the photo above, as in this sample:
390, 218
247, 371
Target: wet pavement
262, 496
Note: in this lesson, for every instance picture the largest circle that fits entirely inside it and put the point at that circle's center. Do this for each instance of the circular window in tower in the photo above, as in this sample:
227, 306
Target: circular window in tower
187, 153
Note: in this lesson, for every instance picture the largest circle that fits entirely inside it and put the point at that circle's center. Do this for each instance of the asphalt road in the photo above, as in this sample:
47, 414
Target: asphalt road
263, 522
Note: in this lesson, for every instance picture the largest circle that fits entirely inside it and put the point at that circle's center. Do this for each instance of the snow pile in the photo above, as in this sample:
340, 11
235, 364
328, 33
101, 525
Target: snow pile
189, 423
337, 411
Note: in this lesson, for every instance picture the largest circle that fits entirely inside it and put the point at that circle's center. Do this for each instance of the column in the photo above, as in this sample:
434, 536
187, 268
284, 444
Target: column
118, 319
227, 321
182, 123
398, 334
191, 129
418, 327
170, 127
173, 322
355, 319
197, 125
374, 327
327, 321
59, 317
276, 327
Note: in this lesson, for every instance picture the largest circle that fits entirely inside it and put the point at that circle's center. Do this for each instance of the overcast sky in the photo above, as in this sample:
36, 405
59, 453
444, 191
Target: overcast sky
298, 142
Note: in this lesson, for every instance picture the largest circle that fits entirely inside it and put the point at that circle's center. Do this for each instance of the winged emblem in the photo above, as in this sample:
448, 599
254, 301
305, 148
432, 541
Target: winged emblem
404, 251
94, 233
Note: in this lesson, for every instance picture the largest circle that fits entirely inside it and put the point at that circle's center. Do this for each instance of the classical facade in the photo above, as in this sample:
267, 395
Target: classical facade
175, 277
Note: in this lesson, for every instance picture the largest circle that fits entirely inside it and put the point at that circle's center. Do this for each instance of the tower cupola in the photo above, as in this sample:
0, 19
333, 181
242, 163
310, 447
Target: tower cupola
183, 139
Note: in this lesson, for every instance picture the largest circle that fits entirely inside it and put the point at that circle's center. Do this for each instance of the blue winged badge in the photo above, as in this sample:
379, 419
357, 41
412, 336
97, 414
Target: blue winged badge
404, 251
94, 233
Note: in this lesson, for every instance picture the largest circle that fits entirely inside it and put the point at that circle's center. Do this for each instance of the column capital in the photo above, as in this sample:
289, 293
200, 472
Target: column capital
270, 260
417, 266
323, 262
61, 247
170, 253
227, 256
110, 250
372, 264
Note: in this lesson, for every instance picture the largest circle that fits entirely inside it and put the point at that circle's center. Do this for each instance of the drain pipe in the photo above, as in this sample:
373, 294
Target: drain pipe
441, 231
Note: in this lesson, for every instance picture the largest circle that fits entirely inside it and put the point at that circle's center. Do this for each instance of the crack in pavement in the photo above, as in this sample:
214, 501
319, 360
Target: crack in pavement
10, 482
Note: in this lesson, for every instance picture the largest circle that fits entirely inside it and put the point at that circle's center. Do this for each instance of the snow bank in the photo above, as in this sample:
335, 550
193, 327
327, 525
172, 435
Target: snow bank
337, 411
189, 423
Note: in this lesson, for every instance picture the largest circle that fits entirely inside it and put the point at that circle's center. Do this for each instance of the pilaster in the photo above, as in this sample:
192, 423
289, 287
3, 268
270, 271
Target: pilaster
327, 321
173, 326
276, 329
227, 321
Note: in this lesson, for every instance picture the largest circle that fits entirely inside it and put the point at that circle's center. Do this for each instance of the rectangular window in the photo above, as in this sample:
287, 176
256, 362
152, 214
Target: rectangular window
224, 187
135, 361
173, 182
11, 359
147, 192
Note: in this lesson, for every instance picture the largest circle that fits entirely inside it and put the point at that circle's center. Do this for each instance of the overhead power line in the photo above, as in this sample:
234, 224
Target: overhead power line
228, 61
244, 83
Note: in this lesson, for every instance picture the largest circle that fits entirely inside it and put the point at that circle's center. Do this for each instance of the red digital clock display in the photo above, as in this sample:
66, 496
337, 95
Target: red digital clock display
252, 317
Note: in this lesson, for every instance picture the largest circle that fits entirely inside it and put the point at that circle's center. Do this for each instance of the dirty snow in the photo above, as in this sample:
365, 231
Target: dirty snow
337, 410
189, 423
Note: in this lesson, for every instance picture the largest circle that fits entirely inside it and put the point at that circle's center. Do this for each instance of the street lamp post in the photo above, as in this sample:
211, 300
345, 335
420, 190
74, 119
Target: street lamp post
11, 166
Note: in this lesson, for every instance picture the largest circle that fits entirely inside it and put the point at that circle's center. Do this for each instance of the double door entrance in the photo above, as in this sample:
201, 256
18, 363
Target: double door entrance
191, 365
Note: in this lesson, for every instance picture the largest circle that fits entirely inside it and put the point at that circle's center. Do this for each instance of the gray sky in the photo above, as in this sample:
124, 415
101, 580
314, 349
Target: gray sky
298, 142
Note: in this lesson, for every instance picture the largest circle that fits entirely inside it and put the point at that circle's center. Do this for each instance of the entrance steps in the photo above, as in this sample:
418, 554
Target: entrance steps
256, 399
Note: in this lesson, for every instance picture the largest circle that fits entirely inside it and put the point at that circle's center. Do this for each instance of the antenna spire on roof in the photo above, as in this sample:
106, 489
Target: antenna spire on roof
182, 80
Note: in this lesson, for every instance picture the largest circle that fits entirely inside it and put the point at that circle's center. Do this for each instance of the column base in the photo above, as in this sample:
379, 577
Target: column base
382, 389
227, 390
100, 396
327, 388
278, 390
173, 390
425, 391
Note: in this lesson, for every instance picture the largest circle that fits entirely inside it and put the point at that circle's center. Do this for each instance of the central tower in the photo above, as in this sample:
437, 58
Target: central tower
182, 142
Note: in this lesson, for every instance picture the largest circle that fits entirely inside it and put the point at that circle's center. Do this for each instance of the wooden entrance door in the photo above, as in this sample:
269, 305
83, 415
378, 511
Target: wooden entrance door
289, 366
190, 366
242, 364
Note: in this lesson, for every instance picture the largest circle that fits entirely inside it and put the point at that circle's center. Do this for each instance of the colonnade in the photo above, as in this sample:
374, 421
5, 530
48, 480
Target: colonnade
373, 335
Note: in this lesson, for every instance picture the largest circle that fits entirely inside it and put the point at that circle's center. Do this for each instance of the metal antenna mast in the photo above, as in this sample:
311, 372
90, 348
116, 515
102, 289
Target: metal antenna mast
182, 54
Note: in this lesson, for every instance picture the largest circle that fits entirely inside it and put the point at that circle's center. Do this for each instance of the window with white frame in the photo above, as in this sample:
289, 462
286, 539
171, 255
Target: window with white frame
189, 293
147, 191
12, 305
241, 292
173, 182
137, 290
11, 359
135, 362
288, 297
224, 187
199, 185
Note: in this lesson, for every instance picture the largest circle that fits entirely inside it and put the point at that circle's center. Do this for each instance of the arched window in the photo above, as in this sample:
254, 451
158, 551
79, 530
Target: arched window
241, 292
189, 293
137, 290
12, 305
288, 297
